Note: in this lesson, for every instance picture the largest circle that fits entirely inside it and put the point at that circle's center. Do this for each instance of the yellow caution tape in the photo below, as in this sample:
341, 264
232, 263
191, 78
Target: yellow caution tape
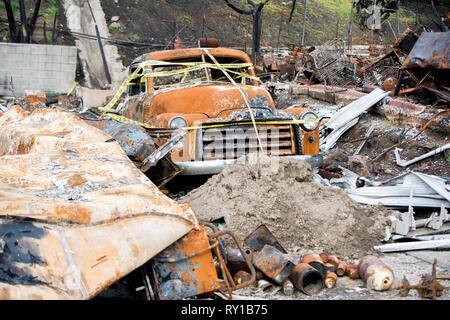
270, 122
192, 66
121, 90
72, 89
242, 92
129, 121
214, 126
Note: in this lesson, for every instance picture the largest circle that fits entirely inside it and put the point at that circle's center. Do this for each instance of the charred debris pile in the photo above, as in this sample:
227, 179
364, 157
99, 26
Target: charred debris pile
415, 66
358, 168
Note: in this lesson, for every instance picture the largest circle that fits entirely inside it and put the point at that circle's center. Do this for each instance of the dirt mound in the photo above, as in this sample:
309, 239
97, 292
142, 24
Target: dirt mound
281, 193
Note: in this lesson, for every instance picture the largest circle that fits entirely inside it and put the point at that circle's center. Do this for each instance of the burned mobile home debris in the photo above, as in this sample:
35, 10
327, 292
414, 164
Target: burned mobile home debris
207, 171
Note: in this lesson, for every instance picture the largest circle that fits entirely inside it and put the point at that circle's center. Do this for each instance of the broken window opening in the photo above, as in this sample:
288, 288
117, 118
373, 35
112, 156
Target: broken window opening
136, 86
240, 75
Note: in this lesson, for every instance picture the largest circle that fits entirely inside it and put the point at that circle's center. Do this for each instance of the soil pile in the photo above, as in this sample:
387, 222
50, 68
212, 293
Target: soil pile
281, 194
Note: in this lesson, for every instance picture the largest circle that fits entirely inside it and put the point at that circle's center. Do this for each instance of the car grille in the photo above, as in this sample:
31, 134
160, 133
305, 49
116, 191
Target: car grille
235, 141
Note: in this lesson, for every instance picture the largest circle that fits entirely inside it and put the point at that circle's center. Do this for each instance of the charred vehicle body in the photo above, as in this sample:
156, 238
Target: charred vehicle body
215, 97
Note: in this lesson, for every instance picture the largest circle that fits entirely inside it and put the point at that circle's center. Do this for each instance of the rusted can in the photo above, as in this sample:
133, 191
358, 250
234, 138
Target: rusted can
241, 277
264, 285
331, 280
333, 260
307, 279
324, 257
209, 42
288, 287
316, 262
273, 263
312, 258
377, 275
352, 272
341, 269
390, 83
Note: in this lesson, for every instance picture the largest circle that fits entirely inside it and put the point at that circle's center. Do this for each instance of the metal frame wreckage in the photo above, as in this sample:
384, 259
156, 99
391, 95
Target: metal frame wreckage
85, 202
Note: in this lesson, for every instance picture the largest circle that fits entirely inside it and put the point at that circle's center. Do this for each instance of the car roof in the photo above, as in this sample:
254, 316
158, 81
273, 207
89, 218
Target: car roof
180, 54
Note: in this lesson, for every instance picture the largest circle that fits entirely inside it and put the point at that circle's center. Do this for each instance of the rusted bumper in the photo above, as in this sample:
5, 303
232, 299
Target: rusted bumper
194, 168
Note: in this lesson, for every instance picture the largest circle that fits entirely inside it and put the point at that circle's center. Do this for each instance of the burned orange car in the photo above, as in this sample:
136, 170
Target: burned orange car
215, 96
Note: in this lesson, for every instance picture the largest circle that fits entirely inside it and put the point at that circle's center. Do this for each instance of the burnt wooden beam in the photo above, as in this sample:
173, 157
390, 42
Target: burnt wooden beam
11, 21
32, 22
294, 4
23, 21
256, 13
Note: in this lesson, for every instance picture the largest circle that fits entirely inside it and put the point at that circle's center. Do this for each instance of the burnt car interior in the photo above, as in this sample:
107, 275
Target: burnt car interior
137, 86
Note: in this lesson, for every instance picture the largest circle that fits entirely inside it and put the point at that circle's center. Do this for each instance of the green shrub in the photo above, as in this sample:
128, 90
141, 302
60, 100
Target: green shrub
114, 27
52, 9
135, 37
186, 20
14, 4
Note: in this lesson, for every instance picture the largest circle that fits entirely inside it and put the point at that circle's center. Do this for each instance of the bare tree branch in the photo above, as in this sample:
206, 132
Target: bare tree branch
257, 20
439, 22
33, 20
23, 34
238, 10
294, 3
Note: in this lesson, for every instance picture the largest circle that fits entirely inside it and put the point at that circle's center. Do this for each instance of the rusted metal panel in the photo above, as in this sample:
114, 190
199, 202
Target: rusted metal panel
133, 139
180, 54
260, 237
189, 267
34, 98
186, 268
430, 51
82, 215
212, 100
273, 263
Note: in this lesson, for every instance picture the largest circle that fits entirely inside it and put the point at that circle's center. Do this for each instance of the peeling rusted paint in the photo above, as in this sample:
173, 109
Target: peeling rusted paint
273, 263
80, 236
186, 268
206, 102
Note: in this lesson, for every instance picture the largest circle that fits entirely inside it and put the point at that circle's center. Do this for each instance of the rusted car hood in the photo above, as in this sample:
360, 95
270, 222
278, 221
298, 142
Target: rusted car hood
76, 215
212, 101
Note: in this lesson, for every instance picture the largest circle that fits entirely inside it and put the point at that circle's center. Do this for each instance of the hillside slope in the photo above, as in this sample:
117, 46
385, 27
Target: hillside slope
159, 21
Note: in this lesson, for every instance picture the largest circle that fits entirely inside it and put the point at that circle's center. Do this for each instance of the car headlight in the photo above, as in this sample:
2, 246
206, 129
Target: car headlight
177, 122
311, 121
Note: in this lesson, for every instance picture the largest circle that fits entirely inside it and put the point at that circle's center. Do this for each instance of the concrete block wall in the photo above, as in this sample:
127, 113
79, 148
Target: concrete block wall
36, 67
